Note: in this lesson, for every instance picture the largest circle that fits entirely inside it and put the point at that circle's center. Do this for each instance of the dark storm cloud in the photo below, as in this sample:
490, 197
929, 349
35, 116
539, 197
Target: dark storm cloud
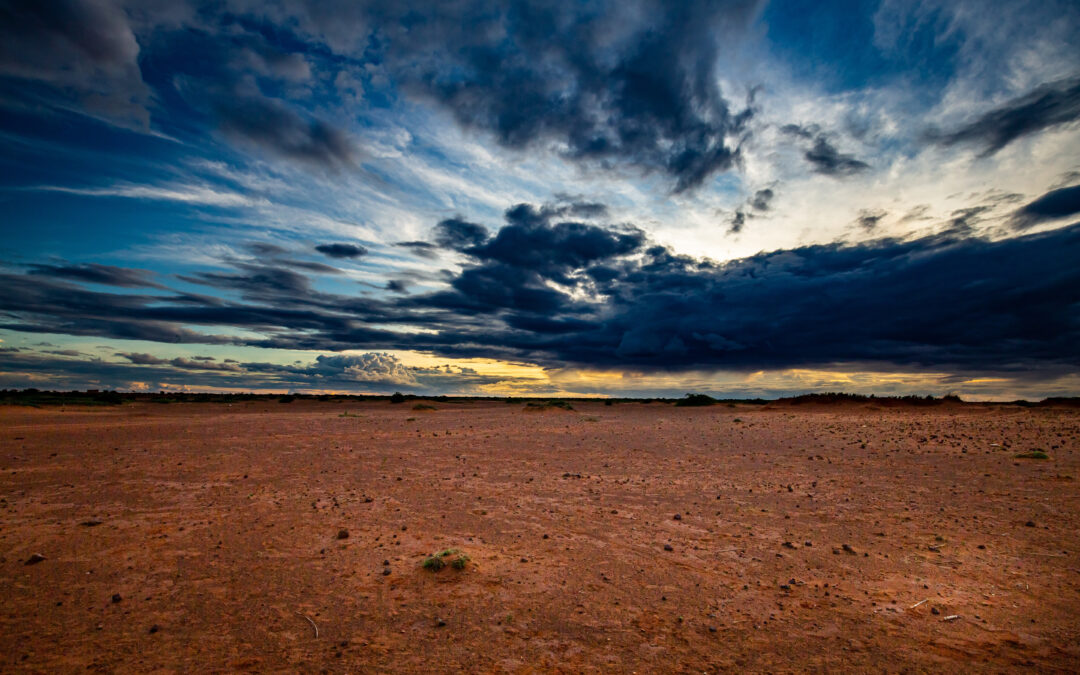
609, 84
84, 49
274, 126
256, 280
945, 300
377, 372
341, 250
266, 249
423, 249
227, 75
532, 248
1050, 105
762, 200
531, 241
308, 266
97, 31
1055, 204
197, 363
457, 234
613, 83
822, 155
738, 220
868, 219
561, 292
826, 159
97, 274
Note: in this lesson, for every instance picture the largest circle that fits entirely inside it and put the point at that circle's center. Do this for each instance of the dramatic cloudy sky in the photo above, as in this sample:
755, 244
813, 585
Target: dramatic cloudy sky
631, 197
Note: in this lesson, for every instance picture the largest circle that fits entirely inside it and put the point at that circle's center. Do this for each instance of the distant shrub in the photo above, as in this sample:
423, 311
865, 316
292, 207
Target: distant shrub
398, 397
424, 406
288, 398
547, 405
1034, 454
695, 400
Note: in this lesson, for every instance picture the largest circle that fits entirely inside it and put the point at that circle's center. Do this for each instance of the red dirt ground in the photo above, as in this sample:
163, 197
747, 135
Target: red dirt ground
217, 531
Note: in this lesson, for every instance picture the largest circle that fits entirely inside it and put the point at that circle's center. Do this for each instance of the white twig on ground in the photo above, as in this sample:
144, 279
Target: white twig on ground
951, 617
919, 603
311, 622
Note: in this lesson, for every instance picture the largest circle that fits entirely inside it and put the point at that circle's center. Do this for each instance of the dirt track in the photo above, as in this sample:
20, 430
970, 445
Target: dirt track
216, 528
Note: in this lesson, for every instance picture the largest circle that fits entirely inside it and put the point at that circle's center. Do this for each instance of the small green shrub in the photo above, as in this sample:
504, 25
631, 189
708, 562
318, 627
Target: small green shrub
437, 561
433, 563
424, 406
398, 397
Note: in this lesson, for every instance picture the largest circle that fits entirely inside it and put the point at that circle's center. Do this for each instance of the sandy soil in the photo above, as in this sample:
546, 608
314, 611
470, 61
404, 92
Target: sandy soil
647, 538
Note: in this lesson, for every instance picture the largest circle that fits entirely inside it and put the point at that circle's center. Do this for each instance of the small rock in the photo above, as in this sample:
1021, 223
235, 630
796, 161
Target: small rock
343, 533
1030, 523
35, 559
788, 544
90, 523
847, 549
154, 629
386, 571
439, 623
116, 597
678, 517
808, 544
667, 547
386, 563
935, 611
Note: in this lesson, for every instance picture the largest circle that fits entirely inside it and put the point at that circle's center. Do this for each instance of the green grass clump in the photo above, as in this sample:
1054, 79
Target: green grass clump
1034, 454
438, 561
424, 406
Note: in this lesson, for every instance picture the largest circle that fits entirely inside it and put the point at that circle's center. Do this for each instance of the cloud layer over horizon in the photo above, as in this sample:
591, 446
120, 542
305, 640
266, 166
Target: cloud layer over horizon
664, 190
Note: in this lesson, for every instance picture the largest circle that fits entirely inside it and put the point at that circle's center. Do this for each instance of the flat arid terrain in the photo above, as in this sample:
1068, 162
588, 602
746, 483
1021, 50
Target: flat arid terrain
265, 537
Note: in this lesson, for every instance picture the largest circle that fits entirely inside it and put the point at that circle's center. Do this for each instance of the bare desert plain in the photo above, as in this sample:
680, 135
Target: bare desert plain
633, 537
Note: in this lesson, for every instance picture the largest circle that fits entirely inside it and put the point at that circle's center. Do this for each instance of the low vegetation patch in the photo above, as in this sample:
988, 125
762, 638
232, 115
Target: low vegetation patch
695, 401
424, 406
1034, 454
548, 405
451, 557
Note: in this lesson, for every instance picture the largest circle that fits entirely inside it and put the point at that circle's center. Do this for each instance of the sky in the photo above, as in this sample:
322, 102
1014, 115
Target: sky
623, 198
